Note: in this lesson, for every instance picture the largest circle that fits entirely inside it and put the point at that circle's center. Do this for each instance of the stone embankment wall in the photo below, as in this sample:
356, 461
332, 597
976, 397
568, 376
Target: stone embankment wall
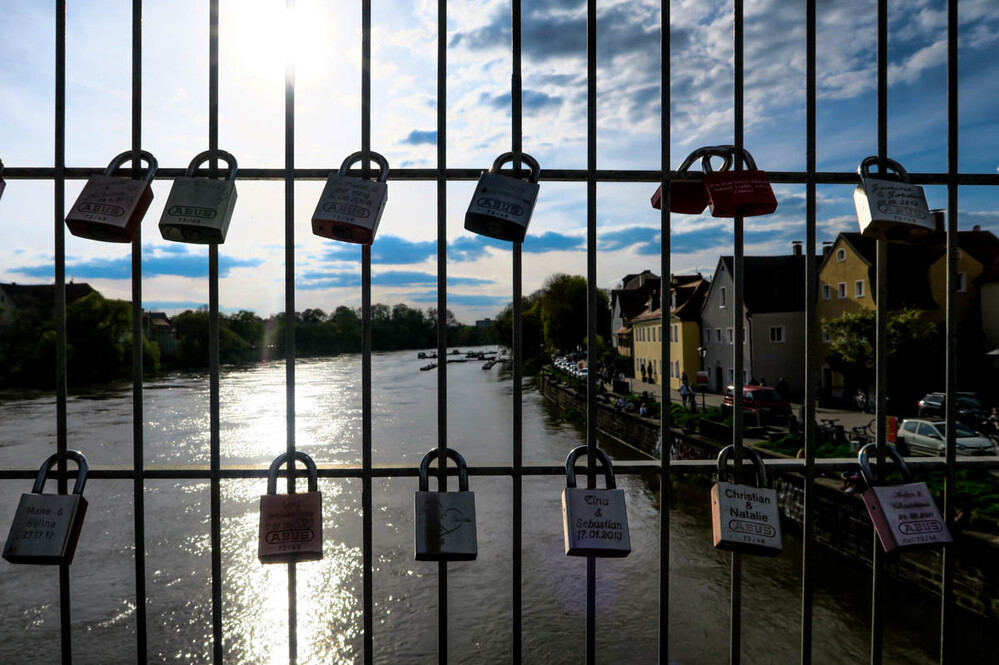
841, 523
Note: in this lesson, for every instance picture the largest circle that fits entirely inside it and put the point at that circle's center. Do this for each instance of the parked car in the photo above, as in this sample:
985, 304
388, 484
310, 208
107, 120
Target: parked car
970, 409
764, 401
929, 437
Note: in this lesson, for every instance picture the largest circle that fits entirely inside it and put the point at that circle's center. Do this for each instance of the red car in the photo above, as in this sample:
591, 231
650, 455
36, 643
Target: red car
764, 401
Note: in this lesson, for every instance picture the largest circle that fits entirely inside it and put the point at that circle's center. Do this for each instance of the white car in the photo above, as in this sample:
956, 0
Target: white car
929, 437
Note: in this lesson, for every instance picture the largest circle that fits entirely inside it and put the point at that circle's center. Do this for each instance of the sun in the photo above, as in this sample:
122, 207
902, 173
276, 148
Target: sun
264, 36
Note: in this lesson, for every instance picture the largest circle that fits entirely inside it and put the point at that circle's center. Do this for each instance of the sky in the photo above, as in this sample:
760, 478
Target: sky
257, 36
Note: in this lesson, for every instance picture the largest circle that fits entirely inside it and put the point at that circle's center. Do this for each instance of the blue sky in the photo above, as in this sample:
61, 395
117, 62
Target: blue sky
256, 36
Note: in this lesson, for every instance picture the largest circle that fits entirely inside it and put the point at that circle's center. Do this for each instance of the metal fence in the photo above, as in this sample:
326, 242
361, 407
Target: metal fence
515, 469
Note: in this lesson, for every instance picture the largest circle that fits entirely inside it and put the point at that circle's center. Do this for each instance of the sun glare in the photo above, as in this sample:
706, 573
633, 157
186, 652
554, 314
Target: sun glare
265, 35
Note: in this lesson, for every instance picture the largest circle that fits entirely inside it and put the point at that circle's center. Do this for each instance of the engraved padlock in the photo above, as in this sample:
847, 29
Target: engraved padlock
502, 204
594, 521
350, 208
291, 525
2, 183
110, 208
687, 194
732, 193
889, 207
445, 521
199, 209
905, 516
745, 518
46, 527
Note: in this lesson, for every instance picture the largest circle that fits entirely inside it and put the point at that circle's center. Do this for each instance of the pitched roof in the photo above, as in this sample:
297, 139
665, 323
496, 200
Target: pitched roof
690, 296
772, 283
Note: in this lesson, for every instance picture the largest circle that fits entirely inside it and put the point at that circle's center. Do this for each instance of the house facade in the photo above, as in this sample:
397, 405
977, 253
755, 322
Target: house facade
687, 294
631, 299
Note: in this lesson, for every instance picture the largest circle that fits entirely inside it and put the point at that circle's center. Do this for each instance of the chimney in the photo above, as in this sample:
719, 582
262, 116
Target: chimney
796, 247
826, 247
976, 228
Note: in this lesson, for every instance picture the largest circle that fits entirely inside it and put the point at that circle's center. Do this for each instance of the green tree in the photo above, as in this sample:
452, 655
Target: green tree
564, 312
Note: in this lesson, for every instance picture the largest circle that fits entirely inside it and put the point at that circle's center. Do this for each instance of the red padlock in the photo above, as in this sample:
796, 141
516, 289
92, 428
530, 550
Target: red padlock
686, 188
745, 193
110, 208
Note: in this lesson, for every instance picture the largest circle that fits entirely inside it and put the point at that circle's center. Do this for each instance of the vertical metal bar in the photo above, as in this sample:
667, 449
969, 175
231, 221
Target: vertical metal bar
138, 491
665, 301
516, 139
591, 305
366, 383
214, 444
289, 299
947, 574
811, 335
881, 336
59, 239
738, 316
442, 611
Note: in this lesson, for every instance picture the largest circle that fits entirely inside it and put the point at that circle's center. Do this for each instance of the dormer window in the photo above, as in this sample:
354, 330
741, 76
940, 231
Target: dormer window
840, 255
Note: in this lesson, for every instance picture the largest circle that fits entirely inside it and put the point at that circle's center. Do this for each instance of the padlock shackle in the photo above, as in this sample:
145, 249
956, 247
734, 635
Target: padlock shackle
458, 460
127, 155
863, 458
358, 156
601, 458
701, 153
524, 157
754, 457
81, 477
203, 157
864, 170
283, 458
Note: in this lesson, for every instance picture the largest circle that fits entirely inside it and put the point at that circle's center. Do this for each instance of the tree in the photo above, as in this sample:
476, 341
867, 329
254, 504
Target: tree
564, 312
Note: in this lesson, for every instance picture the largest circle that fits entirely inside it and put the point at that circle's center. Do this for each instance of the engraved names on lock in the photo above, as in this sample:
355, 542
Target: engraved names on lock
43, 528
912, 515
599, 522
449, 522
108, 200
288, 523
899, 202
749, 518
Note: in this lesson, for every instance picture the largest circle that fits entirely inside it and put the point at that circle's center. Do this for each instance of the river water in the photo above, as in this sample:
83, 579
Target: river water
328, 427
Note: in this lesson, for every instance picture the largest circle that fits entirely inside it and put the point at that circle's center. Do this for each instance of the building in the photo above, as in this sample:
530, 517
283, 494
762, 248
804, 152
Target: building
158, 328
687, 293
773, 321
629, 301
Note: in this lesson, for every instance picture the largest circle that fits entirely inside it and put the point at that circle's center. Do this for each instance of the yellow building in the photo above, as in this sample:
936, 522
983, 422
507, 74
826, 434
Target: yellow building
684, 334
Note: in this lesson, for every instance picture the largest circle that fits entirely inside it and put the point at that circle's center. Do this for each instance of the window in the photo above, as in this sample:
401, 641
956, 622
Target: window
777, 334
962, 282
707, 336
840, 255
718, 334
731, 375
721, 297
676, 332
858, 289
842, 290
676, 366
731, 335
826, 292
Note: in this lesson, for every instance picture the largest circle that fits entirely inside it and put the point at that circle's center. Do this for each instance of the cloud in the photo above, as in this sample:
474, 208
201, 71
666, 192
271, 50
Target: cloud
173, 304
550, 241
174, 264
533, 100
387, 249
465, 300
313, 280
417, 137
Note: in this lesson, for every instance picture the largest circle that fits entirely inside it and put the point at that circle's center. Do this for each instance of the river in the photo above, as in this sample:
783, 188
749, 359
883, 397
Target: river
328, 427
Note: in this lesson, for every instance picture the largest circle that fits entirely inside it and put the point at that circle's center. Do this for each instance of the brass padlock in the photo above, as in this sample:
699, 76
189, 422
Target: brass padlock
889, 207
502, 204
904, 516
111, 208
445, 521
291, 525
198, 210
732, 193
687, 194
745, 518
350, 208
46, 527
594, 521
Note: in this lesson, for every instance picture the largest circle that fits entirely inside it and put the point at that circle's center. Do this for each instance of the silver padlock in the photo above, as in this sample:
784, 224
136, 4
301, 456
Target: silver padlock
889, 207
445, 521
594, 521
502, 204
745, 518
198, 210
904, 516
350, 208
110, 208
291, 525
46, 527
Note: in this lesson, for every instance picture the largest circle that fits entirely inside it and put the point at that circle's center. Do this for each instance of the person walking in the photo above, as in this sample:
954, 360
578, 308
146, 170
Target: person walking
686, 395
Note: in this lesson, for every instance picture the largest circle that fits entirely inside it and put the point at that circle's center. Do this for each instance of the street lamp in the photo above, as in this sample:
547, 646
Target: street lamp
703, 353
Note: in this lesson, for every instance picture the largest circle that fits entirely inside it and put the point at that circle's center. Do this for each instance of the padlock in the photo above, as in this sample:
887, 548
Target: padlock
745, 518
687, 194
732, 193
110, 208
350, 208
904, 516
2, 183
445, 521
46, 527
594, 521
502, 204
291, 525
198, 210
889, 207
